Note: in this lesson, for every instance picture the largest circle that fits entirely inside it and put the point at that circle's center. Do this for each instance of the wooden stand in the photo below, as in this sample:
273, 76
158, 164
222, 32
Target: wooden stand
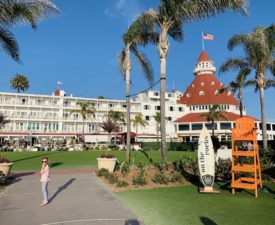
245, 175
208, 190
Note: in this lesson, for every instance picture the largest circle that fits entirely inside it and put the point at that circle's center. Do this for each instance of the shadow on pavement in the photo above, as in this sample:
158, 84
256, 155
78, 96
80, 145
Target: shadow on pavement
21, 174
132, 222
62, 188
207, 221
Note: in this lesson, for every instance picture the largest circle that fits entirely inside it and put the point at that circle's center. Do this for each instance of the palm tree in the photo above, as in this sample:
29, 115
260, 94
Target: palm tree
19, 83
117, 116
168, 20
85, 111
259, 55
157, 118
3, 121
14, 12
214, 114
139, 121
136, 35
109, 125
237, 85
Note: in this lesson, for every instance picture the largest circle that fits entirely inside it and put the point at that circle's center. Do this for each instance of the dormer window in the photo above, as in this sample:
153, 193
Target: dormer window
216, 92
202, 84
188, 95
202, 93
193, 85
212, 83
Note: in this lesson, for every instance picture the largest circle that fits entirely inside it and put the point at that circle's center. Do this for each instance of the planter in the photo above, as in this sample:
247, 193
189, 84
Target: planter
6, 168
106, 163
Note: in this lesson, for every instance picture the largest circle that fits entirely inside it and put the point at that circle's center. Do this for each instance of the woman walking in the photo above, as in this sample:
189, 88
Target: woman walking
45, 178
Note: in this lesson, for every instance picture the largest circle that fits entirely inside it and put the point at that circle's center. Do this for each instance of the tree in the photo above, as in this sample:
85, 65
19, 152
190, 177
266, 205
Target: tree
117, 116
19, 83
136, 35
85, 111
109, 125
14, 12
259, 49
3, 121
237, 85
168, 20
157, 118
214, 114
139, 121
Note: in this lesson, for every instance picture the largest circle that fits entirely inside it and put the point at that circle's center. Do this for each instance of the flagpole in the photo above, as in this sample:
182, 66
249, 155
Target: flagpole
202, 40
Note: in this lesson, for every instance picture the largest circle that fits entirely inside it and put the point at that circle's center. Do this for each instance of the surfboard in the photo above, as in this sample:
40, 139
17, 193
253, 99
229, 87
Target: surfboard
206, 159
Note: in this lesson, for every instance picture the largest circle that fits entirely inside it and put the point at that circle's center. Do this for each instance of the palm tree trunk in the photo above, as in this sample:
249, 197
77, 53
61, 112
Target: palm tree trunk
263, 117
213, 128
241, 102
128, 118
137, 133
83, 130
109, 137
163, 50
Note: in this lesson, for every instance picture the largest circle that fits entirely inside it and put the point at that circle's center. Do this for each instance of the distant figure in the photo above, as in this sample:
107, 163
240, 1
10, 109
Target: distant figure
249, 146
45, 178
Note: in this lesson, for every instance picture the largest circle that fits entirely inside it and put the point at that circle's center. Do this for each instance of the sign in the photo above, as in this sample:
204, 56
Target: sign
206, 160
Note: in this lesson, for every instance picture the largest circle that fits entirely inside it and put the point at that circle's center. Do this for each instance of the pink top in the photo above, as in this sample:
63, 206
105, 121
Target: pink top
45, 174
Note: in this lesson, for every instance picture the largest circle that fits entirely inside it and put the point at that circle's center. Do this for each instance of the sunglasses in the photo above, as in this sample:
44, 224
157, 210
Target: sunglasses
43, 161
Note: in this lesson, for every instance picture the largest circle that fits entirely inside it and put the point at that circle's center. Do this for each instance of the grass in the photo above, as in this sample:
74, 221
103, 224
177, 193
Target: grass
185, 206
63, 160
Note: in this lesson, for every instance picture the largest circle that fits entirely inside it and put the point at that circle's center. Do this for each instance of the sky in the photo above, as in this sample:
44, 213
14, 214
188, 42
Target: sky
80, 48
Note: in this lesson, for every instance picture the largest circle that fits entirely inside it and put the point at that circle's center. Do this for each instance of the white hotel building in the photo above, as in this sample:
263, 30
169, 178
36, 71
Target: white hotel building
49, 117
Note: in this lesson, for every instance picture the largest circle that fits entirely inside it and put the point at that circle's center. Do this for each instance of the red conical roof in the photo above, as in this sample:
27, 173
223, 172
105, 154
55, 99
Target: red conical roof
204, 91
203, 57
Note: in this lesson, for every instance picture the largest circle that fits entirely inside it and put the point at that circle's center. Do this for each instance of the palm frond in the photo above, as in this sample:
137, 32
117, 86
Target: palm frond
237, 40
270, 83
176, 31
234, 64
9, 44
145, 65
121, 61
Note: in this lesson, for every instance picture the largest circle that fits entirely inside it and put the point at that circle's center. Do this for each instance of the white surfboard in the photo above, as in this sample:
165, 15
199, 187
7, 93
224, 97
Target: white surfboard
206, 159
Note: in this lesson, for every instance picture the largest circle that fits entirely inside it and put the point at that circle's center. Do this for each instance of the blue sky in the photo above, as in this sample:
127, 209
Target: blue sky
80, 48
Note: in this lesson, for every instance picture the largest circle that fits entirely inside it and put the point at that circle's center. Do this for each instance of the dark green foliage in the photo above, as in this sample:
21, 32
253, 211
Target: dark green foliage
160, 179
161, 166
176, 178
267, 156
103, 173
171, 146
124, 168
113, 147
139, 180
216, 143
223, 169
122, 183
179, 165
112, 178
192, 166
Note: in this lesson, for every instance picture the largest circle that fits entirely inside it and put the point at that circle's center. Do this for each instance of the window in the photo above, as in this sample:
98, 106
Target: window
180, 109
169, 118
124, 106
201, 93
111, 105
273, 127
146, 107
169, 95
171, 108
184, 127
212, 83
156, 94
157, 107
197, 126
193, 107
202, 84
209, 126
23, 101
188, 95
147, 118
268, 126
216, 92
203, 107
193, 85
225, 126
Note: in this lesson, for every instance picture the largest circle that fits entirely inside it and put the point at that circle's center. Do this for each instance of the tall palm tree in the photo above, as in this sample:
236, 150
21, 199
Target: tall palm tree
85, 112
157, 118
3, 121
214, 114
14, 12
135, 36
19, 83
109, 125
139, 121
117, 116
237, 85
168, 20
259, 49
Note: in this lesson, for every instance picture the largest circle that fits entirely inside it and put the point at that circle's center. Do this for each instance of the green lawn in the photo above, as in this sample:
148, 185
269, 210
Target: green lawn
77, 159
185, 206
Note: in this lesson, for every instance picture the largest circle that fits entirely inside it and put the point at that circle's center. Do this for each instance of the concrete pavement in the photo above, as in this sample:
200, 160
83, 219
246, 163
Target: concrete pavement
75, 199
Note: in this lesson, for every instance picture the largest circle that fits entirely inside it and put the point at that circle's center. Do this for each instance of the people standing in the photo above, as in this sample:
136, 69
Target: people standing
45, 178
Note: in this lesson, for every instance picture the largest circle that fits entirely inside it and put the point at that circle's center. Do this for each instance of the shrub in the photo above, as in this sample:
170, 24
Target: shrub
112, 178
176, 178
223, 169
139, 180
178, 165
113, 147
122, 183
192, 165
124, 168
161, 166
160, 179
103, 173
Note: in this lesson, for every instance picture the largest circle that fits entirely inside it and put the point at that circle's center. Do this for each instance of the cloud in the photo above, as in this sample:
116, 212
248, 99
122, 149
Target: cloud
128, 9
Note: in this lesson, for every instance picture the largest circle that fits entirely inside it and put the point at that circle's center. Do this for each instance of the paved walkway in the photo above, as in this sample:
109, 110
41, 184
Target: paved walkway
76, 198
